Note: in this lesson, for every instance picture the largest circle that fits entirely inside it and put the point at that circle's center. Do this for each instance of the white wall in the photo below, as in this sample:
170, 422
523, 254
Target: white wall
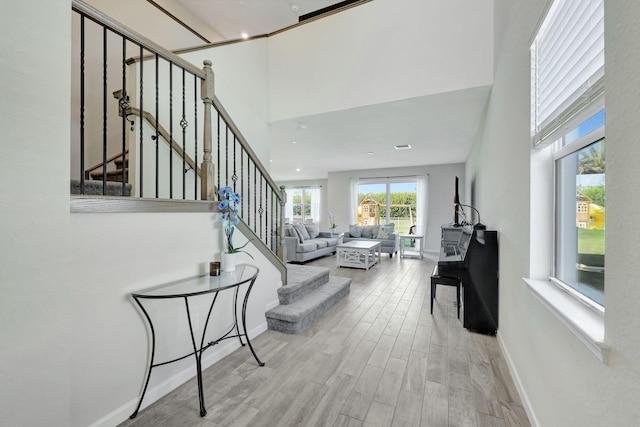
241, 78
439, 202
35, 269
564, 384
386, 53
73, 347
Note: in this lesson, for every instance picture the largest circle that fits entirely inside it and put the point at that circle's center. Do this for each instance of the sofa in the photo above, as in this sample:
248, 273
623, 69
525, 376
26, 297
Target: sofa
384, 233
305, 242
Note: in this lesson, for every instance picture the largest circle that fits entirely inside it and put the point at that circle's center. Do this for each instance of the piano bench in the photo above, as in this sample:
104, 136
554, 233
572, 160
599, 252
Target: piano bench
436, 279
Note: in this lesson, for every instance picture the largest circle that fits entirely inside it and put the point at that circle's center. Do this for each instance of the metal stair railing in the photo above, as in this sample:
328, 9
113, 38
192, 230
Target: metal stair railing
171, 85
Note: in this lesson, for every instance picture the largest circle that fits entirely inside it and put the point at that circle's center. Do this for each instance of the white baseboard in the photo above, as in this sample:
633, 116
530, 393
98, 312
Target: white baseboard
271, 305
518, 383
155, 393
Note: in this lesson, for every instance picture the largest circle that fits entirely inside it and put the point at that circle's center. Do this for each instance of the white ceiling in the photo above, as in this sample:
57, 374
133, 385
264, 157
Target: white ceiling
440, 128
230, 18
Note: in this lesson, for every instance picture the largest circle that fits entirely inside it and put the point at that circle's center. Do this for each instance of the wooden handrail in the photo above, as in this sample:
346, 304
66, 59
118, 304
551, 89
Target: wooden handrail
87, 172
151, 120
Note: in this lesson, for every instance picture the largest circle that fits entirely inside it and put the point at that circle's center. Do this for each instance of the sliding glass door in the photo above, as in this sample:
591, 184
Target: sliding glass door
391, 200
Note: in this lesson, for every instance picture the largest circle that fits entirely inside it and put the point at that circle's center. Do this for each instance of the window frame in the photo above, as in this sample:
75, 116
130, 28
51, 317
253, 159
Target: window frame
582, 316
304, 206
387, 182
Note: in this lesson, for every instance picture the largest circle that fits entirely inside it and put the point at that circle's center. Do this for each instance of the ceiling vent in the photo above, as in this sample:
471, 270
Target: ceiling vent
402, 147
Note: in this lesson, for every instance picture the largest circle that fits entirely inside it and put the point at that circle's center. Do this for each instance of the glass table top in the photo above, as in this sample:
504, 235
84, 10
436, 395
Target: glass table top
201, 284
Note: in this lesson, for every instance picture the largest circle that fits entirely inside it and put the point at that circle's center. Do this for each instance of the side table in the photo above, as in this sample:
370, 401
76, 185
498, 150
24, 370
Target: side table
416, 251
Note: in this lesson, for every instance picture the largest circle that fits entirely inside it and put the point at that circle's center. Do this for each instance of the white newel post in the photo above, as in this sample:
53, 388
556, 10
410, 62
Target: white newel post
207, 169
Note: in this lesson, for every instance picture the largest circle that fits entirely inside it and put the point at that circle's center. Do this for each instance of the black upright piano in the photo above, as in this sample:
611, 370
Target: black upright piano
471, 255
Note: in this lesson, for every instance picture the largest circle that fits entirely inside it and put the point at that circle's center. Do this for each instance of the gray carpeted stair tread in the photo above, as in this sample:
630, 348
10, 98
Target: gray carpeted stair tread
95, 188
301, 280
295, 317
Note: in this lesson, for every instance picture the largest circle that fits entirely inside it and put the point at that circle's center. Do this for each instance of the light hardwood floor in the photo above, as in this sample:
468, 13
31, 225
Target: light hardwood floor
377, 358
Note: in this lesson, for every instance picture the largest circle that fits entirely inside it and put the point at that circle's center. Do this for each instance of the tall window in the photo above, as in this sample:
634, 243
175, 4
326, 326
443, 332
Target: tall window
580, 212
567, 113
303, 204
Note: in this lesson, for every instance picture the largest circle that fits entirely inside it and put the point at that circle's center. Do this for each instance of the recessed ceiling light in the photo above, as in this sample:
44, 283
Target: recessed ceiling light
245, 36
370, 153
297, 169
302, 125
402, 147
294, 142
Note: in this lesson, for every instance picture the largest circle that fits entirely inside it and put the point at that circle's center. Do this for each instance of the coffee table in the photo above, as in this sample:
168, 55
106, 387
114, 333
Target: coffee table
359, 254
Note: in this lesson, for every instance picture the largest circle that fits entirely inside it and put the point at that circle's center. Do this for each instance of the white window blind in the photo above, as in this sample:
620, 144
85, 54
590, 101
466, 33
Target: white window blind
567, 67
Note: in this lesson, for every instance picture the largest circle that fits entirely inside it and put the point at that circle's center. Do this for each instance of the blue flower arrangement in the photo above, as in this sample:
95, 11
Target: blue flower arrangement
229, 206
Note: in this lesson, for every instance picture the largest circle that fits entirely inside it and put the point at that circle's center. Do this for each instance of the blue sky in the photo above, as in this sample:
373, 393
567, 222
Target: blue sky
400, 187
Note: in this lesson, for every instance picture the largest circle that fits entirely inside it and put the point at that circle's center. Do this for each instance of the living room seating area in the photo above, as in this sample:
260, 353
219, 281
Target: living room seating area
385, 233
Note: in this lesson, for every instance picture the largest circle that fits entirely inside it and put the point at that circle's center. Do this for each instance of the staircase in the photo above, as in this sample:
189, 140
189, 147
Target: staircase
309, 293
93, 180
113, 175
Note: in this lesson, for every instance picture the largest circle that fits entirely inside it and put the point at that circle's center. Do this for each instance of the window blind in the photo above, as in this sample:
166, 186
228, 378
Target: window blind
567, 67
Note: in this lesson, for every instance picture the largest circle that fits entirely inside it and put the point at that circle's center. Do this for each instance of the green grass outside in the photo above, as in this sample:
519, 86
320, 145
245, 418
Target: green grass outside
591, 241
402, 225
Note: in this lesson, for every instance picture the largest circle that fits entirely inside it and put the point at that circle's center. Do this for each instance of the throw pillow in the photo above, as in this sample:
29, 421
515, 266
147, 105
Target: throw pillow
302, 231
355, 230
376, 230
313, 230
385, 232
367, 232
289, 231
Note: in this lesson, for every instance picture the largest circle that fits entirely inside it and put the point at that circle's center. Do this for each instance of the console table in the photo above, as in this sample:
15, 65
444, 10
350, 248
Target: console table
193, 288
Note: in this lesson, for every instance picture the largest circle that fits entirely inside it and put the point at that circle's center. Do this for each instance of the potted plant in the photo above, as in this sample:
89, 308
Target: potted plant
332, 223
229, 206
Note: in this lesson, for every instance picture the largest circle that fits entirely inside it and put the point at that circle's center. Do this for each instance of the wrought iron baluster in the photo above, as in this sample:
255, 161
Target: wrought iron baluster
242, 175
183, 124
104, 110
267, 205
234, 177
218, 150
125, 168
82, 106
171, 129
141, 155
226, 156
255, 196
261, 209
248, 190
195, 136
156, 126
